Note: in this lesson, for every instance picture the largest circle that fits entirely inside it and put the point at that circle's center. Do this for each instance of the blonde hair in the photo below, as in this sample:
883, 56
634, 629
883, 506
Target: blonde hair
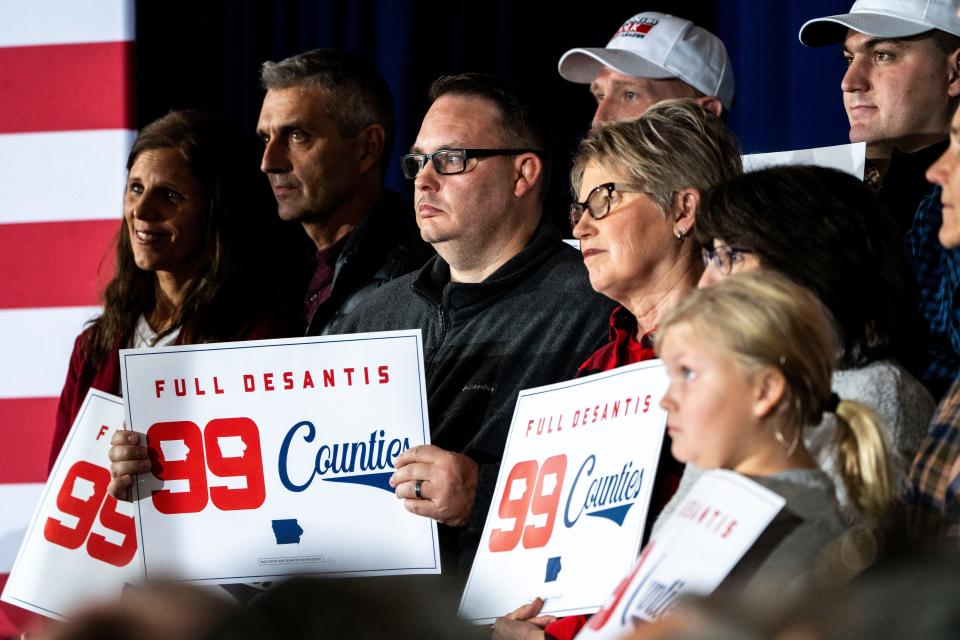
766, 321
674, 145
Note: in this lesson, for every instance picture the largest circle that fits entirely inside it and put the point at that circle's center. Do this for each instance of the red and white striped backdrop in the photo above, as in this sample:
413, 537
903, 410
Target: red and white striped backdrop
66, 96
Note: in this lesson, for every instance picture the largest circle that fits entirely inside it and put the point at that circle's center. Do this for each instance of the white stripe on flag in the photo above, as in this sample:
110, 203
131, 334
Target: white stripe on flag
17, 504
36, 346
32, 22
73, 175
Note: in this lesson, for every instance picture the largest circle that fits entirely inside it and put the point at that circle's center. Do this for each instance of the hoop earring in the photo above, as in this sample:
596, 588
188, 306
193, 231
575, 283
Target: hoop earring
792, 447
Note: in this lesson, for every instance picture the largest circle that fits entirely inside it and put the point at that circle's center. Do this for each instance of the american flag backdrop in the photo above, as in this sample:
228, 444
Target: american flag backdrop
65, 129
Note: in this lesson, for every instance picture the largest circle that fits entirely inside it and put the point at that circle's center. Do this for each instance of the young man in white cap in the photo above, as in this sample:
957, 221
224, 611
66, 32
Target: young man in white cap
652, 57
900, 90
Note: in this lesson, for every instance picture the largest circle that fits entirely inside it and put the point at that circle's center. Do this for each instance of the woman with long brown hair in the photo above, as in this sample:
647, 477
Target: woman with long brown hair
195, 254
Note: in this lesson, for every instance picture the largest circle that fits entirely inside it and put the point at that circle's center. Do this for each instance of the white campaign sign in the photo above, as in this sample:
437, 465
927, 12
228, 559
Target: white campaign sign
711, 530
81, 545
272, 457
569, 508
849, 158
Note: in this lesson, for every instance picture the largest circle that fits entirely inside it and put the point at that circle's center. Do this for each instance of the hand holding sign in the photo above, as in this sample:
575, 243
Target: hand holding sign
127, 458
271, 458
448, 486
567, 515
522, 623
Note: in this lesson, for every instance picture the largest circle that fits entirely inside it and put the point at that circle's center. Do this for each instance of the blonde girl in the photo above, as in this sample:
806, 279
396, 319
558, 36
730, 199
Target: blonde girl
750, 362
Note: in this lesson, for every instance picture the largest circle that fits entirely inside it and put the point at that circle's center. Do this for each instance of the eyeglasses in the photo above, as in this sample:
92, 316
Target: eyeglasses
449, 161
598, 201
723, 258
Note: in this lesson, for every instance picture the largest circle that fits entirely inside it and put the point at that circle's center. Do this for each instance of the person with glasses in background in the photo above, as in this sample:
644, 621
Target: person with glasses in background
828, 232
504, 306
638, 200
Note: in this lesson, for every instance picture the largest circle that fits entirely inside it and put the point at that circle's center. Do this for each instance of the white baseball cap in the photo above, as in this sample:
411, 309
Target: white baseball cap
883, 19
657, 45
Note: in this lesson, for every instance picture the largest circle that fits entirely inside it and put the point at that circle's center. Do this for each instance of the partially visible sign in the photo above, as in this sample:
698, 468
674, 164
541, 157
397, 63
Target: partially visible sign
569, 508
849, 158
272, 458
708, 534
82, 543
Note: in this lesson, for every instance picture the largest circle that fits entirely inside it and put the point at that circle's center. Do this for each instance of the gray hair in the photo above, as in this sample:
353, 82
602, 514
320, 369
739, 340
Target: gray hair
674, 145
358, 94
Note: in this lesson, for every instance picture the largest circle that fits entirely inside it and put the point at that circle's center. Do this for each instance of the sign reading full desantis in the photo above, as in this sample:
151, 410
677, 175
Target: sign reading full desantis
82, 544
272, 457
568, 511
713, 527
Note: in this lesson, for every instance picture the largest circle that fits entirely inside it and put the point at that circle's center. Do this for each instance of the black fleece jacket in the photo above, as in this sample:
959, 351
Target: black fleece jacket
530, 323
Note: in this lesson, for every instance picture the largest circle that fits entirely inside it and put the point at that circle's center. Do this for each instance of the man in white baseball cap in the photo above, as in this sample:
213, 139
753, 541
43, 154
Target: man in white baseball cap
903, 81
652, 57
900, 90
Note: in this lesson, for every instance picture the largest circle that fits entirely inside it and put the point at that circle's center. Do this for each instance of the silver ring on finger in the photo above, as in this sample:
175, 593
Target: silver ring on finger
418, 489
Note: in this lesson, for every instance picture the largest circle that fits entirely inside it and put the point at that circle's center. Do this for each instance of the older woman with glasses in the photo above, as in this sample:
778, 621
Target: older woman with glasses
826, 231
638, 183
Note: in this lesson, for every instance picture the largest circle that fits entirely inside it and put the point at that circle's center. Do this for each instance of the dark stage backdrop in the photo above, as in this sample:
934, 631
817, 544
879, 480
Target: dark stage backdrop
205, 54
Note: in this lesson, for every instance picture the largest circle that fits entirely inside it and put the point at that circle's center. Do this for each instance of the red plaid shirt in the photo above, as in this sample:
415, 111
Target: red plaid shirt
933, 485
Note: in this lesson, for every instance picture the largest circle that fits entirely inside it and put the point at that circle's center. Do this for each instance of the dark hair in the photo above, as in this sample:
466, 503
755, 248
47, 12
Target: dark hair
524, 121
827, 231
359, 96
233, 288
946, 42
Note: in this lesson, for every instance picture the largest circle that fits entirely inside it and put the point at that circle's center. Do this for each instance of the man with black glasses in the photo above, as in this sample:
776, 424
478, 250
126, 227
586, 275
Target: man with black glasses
504, 306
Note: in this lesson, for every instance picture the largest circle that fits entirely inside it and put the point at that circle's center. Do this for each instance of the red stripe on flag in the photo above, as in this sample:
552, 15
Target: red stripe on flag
56, 264
14, 620
66, 87
27, 428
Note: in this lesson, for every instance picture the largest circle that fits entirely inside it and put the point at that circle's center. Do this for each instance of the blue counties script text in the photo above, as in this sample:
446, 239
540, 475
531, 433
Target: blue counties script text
607, 496
333, 462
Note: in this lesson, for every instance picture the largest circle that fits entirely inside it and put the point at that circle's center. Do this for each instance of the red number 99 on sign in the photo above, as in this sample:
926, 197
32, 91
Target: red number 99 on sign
205, 450
532, 500
86, 510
